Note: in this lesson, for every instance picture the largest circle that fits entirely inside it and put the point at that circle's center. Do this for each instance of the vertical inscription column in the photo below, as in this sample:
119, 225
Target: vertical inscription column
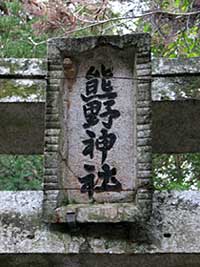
98, 123
99, 95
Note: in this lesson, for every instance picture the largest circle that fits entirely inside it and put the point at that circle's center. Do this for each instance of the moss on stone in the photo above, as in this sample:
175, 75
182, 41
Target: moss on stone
23, 88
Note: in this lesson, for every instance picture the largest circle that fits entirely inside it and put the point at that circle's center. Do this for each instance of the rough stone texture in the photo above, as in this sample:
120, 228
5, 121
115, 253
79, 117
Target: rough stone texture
172, 78
176, 87
132, 129
176, 217
122, 155
21, 67
97, 213
173, 228
175, 79
166, 66
22, 90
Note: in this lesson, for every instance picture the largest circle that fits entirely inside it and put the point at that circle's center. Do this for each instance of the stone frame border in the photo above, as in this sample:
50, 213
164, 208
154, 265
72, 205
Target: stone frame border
139, 211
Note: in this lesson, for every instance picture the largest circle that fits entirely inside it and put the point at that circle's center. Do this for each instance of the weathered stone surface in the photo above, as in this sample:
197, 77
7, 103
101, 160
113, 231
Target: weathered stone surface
166, 84
107, 213
31, 67
121, 156
166, 66
75, 196
176, 87
173, 228
175, 79
176, 217
109, 63
22, 90
79, 45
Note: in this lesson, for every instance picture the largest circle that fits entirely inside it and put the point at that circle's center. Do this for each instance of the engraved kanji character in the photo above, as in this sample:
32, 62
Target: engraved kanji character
110, 183
105, 142
106, 85
87, 181
92, 87
106, 73
91, 111
90, 143
92, 72
92, 76
109, 95
110, 113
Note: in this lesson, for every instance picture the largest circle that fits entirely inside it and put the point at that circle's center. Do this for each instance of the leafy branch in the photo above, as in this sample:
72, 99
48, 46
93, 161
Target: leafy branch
146, 14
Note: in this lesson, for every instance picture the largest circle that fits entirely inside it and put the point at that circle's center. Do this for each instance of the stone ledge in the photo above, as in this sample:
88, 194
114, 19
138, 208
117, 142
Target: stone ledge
99, 213
173, 228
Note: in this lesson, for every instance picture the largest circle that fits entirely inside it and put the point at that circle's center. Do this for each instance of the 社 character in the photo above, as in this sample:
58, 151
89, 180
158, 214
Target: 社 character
110, 183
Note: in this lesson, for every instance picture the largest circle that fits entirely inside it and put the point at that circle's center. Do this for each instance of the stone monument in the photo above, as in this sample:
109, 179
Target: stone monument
98, 130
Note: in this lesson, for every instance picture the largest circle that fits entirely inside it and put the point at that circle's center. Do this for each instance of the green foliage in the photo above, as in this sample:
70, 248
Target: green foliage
21, 172
174, 36
15, 33
186, 44
178, 171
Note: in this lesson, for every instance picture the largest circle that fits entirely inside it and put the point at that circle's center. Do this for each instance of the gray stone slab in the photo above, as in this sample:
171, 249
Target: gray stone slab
173, 228
175, 66
31, 67
176, 87
22, 90
100, 114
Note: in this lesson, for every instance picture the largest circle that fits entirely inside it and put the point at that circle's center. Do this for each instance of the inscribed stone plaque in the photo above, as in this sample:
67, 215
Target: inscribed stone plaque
98, 134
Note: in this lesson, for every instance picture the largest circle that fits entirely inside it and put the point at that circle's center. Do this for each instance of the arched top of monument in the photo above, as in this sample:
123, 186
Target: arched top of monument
60, 45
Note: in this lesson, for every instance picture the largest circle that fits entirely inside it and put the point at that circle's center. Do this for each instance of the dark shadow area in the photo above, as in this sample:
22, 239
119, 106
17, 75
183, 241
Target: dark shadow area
101, 260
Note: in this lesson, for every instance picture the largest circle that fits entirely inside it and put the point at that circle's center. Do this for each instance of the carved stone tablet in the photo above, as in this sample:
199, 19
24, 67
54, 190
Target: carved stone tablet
98, 127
